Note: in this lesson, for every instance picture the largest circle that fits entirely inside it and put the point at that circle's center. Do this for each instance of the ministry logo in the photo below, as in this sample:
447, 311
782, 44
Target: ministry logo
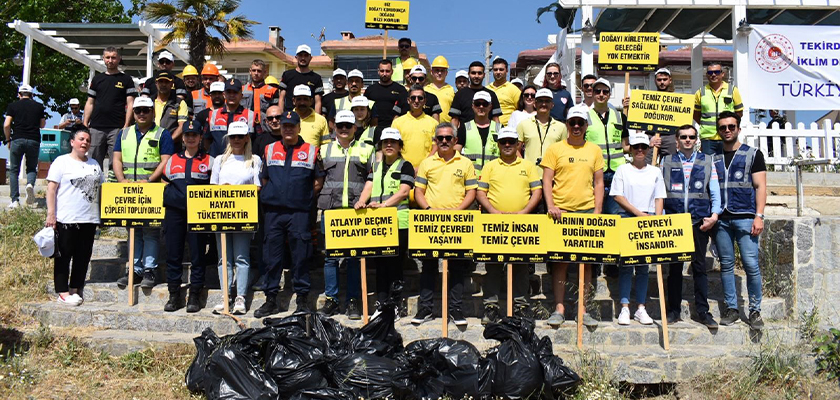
774, 53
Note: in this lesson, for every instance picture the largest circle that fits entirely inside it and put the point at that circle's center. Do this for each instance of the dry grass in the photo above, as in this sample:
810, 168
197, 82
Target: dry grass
24, 274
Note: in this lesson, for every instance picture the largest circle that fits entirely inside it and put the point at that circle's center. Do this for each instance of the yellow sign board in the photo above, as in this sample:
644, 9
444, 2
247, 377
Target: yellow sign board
511, 238
368, 232
132, 204
628, 51
222, 208
659, 112
585, 238
656, 239
381, 14
441, 233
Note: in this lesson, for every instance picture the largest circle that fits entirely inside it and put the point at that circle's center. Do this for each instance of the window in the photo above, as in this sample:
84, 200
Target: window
369, 65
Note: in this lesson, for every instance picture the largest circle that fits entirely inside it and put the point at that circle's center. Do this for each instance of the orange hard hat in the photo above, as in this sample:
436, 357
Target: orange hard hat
209, 69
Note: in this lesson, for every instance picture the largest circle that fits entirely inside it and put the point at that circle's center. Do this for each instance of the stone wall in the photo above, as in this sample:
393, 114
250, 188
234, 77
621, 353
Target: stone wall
800, 260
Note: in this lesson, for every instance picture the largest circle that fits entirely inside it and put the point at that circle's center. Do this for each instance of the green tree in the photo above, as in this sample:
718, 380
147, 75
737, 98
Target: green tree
197, 21
56, 77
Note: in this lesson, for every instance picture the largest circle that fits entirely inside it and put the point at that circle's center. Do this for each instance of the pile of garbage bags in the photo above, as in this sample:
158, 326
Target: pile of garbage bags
313, 357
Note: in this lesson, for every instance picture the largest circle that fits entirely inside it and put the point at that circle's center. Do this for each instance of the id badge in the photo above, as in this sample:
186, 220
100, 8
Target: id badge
676, 187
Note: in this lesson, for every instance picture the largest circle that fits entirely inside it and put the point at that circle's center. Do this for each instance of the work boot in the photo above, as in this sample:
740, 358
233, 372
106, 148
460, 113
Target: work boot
193, 302
491, 314
148, 279
523, 311
270, 307
122, 283
756, 322
174, 302
353, 311
302, 304
730, 316
330, 307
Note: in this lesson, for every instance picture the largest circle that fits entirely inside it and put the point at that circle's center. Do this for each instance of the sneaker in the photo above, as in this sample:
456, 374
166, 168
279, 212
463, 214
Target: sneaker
457, 316
491, 314
122, 283
270, 307
67, 300
588, 321
708, 321
30, 194
642, 316
423, 314
239, 306
78, 299
148, 279
556, 319
353, 312
14, 204
756, 323
193, 303
523, 311
330, 307
220, 308
730, 317
172, 304
624, 316
673, 317
302, 305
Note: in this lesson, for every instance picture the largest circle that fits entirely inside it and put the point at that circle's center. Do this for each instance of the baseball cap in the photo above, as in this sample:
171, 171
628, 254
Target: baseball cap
345, 116
303, 49
665, 71
639, 138
193, 126
165, 55
578, 112
217, 87
45, 240
462, 74
517, 80
355, 74
544, 92
507, 133
143, 101
359, 101
418, 69
233, 84
25, 88
237, 128
302, 90
390, 133
339, 72
74, 102
482, 95
163, 75
602, 81
290, 117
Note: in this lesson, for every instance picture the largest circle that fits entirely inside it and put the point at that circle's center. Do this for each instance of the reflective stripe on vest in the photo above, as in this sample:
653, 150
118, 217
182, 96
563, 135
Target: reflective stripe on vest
692, 196
337, 162
140, 160
384, 189
711, 107
166, 119
200, 101
367, 135
736, 183
607, 138
477, 152
342, 104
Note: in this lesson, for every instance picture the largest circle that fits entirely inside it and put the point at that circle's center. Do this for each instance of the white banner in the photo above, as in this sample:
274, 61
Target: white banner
794, 67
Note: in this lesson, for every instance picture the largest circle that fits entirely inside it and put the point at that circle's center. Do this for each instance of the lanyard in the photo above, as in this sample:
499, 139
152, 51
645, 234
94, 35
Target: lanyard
539, 132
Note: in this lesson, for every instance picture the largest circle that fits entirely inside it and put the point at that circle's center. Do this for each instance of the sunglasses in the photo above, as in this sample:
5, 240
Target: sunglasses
552, 73
405, 46
715, 72
587, 85
481, 104
601, 91
272, 117
724, 128
418, 78
529, 95
442, 139
344, 125
164, 61
684, 137
576, 122
507, 142
416, 98
237, 137
142, 110
639, 147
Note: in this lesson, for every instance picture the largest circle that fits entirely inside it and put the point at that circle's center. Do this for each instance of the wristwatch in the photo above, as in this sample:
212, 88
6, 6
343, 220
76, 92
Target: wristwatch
760, 215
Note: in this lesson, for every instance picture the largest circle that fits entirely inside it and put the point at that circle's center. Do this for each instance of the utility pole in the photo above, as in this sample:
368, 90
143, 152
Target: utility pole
488, 73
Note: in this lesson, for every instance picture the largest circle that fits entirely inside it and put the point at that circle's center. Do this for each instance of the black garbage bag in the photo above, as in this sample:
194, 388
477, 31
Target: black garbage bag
196, 373
296, 363
323, 394
294, 324
337, 337
366, 375
556, 374
518, 372
233, 374
379, 336
446, 366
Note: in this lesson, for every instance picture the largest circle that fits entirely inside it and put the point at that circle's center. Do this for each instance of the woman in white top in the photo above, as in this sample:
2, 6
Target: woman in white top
640, 191
526, 107
236, 166
73, 187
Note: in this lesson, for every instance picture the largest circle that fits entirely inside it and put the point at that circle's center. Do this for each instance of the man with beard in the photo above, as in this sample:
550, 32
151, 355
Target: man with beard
301, 75
389, 97
461, 110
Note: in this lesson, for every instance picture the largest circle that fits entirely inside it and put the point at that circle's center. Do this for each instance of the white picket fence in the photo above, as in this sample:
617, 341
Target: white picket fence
780, 145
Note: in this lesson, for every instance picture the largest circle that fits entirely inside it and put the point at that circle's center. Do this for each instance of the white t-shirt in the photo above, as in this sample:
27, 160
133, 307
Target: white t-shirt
77, 201
518, 116
639, 186
232, 171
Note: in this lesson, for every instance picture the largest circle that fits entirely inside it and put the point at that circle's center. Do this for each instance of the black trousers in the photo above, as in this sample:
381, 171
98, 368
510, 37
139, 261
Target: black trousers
698, 271
74, 245
282, 225
457, 272
176, 237
390, 269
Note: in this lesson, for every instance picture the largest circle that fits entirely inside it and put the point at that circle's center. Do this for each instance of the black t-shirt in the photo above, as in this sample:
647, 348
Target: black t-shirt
462, 104
390, 102
758, 166
26, 119
203, 116
292, 78
262, 140
109, 93
328, 103
432, 104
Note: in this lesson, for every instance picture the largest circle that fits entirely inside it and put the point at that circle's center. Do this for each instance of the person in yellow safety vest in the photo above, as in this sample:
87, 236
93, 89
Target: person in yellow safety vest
190, 76
346, 162
712, 99
608, 130
201, 97
313, 126
506, 92
479, 135
438, 87
355, 84
365, 129
404, 46
140, 155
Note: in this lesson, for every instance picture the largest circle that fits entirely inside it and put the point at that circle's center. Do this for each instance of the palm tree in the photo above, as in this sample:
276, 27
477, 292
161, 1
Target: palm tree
196, 20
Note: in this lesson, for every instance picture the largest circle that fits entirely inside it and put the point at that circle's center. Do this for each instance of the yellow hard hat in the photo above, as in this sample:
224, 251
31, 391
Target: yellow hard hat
409, 64
440, 62
271, 80
189, 70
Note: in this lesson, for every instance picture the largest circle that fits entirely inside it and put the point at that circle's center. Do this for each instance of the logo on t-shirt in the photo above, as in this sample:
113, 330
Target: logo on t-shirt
523, 172
571, 160
119, 85
563, 100
302, 155
459, 173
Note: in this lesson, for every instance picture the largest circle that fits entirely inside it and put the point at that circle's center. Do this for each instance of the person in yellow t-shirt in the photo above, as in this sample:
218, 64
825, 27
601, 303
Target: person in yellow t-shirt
444, 92
313, 126
507, 93
416, 128
445, 181
508, 185
539, 132
574, 170
177, 108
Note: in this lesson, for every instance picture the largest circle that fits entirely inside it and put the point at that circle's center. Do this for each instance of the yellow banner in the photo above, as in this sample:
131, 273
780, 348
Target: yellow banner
368, 232
132, 204
585, 238
656, 239
633, 51
386, 15
441, 233
659, 112
222, 208
511, 238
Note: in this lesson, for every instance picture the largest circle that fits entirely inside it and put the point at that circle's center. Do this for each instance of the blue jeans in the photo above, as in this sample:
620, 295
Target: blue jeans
711, 147
354, 281
729, 231
146, 242
17, 149
609, 205
238, 253
625, 278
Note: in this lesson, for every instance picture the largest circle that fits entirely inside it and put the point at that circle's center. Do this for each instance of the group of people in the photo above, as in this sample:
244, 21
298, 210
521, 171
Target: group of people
406, 142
